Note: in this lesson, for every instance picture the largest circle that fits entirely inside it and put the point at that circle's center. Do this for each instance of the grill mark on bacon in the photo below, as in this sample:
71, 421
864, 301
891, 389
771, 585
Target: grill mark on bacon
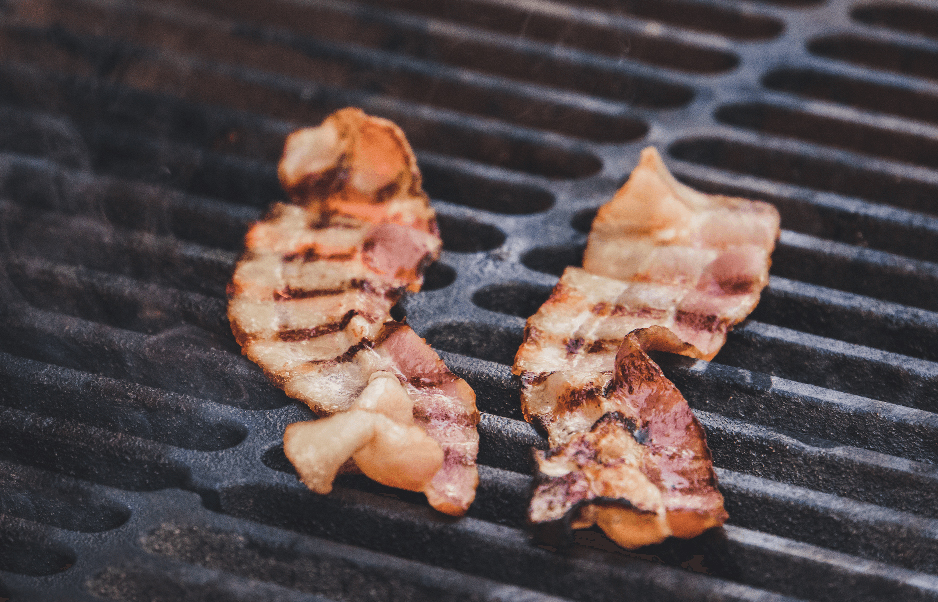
321, 185
576, 397
294, 335
349, 354
431, 381
383, 194
387, 330
645, 312
534, 379
603, 309
456, 418
331, 218
580, 346
738, 286
289, 293
310, 254
614, 416
697, 321
601, 345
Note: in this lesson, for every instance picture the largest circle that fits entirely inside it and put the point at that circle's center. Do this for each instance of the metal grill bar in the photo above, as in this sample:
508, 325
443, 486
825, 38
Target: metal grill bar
140, 454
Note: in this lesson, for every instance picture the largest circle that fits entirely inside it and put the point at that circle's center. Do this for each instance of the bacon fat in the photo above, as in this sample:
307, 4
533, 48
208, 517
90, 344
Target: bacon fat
310, 302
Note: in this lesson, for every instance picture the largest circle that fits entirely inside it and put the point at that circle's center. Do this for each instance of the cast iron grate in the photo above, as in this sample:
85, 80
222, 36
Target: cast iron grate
140, 454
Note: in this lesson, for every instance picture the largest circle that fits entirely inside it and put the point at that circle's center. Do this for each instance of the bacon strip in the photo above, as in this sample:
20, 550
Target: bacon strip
713, 251
310, 302
668, 268
642, 471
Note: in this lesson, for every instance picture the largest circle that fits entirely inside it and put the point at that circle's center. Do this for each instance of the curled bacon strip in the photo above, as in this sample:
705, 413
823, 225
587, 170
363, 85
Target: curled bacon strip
310, 302
643, 471
666, 268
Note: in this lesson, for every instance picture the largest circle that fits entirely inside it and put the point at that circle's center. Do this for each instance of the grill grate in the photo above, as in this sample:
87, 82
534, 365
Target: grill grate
140, 454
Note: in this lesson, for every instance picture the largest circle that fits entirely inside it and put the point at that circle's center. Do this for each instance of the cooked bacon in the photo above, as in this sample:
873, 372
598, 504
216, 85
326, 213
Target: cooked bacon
310, 302
568, 355
713, 251
677, 269
642, 471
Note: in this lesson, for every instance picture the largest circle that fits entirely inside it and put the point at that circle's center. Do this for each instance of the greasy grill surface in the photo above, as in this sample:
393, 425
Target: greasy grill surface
140, 454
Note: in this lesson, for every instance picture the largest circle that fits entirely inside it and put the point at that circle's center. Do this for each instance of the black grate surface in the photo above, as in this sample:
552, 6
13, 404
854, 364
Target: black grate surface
140, 454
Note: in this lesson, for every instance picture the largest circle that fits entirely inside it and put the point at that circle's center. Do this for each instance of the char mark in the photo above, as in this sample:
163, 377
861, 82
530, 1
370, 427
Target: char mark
738, 286
709, 323
316, 187
386, 193
304, 334
350, 353
617, 417
331, 218
429, 381
310, 254
289, 293
639, 312
602, 345
389, 328
573, 345
574, 398
534, 379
